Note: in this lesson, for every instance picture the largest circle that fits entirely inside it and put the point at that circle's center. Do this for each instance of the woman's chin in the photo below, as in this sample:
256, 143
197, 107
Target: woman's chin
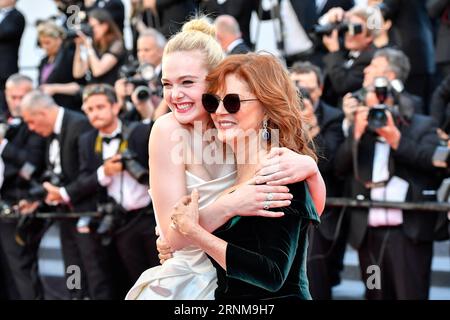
227, 136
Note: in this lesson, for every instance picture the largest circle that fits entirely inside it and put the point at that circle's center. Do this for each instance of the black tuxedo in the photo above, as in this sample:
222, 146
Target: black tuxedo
241, 48
62, 73
439, 9
440, 105
21, 261
412, 32
134, 239
90, 161
11, 30
171, 14
23, 146
341, 79
327, 142
83, 250
308, 15
412, 162
240, 10
73, 125
324, 272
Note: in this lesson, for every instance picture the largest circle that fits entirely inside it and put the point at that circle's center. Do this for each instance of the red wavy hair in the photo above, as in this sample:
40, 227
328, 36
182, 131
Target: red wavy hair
269, 81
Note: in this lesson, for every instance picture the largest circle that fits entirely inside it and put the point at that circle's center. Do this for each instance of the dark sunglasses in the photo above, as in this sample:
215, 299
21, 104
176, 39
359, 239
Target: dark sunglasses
231, 102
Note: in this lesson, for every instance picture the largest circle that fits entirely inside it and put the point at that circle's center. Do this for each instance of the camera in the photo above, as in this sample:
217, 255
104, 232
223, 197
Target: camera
342, 27
140, 75
84, 27
377, 117
8, 211
134, 168
303, 93
112, 218
441, 156
37, 191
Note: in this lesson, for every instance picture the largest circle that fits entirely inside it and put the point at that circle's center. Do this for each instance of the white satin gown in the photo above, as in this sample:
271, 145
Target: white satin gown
189, 274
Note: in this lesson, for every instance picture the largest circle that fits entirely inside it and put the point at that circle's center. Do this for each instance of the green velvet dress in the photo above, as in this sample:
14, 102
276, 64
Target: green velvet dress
266, 257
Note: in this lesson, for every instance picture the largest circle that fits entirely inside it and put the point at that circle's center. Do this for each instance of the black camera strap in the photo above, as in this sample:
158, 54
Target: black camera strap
355, 159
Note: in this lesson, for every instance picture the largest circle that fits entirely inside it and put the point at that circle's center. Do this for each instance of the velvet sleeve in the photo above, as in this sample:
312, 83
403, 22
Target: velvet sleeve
268, 264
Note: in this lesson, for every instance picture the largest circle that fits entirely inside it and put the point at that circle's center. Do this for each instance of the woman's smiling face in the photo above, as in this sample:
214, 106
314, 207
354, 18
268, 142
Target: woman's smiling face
183, 79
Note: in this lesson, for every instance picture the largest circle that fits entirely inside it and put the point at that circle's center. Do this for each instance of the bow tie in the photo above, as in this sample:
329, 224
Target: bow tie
109, 139
53, 136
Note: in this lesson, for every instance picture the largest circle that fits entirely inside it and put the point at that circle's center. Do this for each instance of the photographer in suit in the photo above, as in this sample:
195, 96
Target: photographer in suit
113, 164
327, 244
229, 35
62, 127
18, 146
344, 66
12, 24
388, 151
139, 89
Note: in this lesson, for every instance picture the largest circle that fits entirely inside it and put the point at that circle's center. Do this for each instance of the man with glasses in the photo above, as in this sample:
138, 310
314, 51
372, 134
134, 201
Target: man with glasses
388, 153
344, 65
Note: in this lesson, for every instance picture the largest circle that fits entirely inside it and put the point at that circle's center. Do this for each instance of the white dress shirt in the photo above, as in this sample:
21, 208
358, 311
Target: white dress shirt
395, 190
2, 164
122, 187
4, 12
54, 152
234, 44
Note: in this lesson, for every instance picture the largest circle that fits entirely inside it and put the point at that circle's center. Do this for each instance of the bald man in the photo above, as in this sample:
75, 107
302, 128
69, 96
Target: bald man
229, 35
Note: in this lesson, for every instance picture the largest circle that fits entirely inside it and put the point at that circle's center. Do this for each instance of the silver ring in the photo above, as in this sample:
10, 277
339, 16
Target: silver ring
173, 225
266, 205
269, 196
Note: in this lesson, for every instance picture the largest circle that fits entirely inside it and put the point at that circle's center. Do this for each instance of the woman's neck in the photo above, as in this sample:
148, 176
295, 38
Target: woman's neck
248, 152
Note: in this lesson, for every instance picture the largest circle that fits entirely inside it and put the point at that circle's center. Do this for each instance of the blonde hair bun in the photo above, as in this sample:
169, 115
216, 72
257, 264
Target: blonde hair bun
202, 24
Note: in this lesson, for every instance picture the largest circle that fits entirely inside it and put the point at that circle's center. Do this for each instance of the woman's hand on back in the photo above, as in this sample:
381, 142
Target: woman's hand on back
283, 166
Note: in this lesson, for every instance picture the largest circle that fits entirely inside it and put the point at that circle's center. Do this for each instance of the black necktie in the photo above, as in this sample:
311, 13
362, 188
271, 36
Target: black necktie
109, 139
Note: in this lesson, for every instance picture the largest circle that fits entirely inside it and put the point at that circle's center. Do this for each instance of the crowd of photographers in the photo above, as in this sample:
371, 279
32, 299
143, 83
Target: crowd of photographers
375, 97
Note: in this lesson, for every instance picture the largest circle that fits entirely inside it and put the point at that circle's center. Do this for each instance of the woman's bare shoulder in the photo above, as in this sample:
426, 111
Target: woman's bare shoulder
168, 122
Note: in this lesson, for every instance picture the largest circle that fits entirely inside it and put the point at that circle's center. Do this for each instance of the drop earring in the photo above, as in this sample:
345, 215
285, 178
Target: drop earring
265, 134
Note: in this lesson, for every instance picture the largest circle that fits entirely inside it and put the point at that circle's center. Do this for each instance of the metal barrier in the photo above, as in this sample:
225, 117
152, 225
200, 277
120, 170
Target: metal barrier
355, 203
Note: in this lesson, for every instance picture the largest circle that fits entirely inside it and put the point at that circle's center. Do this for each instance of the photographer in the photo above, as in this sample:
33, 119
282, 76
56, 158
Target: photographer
18, 145
344, 65
62, 129
98, 59
412, 32
388, 152
113, 167
139, 90
55, 69
324, 123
